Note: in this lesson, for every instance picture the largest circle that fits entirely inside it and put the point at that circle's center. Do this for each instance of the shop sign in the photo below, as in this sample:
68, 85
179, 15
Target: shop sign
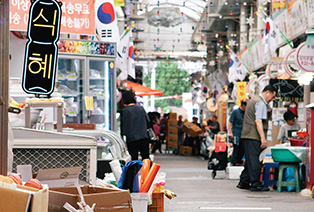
263, 80
83, 47
119, 3
289, 90
41, 50
241, 92
251, 86
278, 4
305, 57
291, 68
78, 16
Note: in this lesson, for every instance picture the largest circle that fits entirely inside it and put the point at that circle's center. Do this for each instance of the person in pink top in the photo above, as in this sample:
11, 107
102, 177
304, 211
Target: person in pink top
157, 144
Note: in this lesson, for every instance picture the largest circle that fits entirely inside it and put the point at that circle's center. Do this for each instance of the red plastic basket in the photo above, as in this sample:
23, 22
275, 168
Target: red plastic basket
296, 142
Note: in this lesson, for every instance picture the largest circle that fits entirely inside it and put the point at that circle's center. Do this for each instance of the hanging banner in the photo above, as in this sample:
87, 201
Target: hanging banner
241, 92
310, 13
78, 16
305, 57
41, 50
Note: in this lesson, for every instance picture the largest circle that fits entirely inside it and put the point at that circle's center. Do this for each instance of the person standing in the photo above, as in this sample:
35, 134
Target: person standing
213, 125
235, 125
290, 124
253, 136
180, 131
135, 122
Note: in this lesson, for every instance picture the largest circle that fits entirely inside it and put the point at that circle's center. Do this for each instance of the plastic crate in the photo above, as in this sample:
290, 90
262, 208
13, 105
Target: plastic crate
296, 142
283, 155
158, 203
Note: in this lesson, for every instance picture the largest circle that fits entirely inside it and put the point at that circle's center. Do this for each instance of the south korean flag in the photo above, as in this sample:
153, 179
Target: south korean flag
106, 21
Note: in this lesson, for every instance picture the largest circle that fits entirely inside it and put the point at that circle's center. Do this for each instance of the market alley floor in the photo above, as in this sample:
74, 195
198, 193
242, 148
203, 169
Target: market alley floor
189, 178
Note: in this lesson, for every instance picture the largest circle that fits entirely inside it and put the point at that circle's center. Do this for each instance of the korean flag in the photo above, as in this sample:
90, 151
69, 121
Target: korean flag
106, 21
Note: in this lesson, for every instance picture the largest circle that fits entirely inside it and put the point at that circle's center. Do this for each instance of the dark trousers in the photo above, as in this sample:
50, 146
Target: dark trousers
156, 145
252, 167
237, 154
141, 146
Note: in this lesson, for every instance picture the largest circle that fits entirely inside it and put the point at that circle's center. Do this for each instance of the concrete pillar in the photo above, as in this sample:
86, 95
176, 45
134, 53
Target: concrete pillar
4, 84
243, 27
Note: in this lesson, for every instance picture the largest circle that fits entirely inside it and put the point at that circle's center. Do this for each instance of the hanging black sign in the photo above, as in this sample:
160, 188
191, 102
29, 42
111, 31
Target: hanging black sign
41, 50
288, 90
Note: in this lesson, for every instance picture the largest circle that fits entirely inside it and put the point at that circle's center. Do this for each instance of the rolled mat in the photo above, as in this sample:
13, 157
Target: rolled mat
150, 178
145, 171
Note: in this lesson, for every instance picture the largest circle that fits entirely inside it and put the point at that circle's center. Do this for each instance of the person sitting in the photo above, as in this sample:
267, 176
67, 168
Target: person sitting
291, 124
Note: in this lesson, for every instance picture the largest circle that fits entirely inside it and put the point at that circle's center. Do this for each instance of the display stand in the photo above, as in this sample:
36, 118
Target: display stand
58, 105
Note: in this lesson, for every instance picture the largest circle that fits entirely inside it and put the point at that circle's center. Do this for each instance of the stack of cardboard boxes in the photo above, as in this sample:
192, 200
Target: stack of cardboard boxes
172, 132
192, 130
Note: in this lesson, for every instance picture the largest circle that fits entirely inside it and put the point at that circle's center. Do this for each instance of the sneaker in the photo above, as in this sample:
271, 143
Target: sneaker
243, 186
259, 188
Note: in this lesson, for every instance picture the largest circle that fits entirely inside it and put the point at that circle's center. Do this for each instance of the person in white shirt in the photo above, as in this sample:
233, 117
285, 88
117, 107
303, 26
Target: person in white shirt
291, 124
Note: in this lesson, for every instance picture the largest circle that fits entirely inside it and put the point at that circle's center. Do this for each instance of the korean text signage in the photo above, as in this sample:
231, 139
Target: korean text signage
241, 92
78, 16
305, 57
41, 49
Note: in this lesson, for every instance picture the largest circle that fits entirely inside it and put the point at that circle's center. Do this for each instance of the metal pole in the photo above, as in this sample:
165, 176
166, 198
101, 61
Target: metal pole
4, 84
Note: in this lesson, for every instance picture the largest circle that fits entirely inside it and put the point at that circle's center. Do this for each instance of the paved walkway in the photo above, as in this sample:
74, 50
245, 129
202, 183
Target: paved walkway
189, 178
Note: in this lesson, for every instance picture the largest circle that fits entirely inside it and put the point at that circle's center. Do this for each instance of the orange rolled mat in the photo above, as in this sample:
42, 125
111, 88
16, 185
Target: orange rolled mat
145, 171
150, 178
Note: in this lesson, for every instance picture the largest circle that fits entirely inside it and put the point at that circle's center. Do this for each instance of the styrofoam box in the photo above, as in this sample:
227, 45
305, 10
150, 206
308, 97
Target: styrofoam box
234, 172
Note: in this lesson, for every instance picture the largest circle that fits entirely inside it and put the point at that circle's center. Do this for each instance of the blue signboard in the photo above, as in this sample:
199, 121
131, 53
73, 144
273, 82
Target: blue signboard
41, 50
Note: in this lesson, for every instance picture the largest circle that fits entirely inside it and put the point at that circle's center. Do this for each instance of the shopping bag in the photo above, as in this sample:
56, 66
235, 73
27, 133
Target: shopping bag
151, 134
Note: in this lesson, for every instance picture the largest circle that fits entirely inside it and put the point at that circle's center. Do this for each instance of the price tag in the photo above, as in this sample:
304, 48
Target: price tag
61, 77
100, 96
72, 77
72, 113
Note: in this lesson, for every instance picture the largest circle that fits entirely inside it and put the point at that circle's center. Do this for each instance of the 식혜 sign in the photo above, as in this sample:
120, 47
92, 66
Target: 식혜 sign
41, 50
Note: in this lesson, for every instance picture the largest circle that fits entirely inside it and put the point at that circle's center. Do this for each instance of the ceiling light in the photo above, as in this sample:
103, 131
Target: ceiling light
226, 3
244, 3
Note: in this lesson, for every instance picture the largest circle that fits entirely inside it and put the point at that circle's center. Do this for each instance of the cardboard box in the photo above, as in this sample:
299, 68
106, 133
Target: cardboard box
234, 172
60, 177
172, 145
173, 137
107, 200
194, 131
185, 150
186, 126
173, 130
172, 123
172, 116
24, 199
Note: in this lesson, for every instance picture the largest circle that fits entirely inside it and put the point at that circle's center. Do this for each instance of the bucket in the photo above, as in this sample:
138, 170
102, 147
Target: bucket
139, 202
